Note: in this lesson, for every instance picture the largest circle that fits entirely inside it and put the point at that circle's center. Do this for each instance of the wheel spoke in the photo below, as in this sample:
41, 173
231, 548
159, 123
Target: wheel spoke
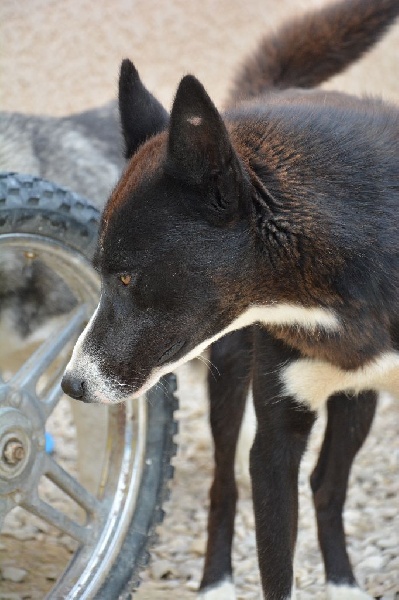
52, 397
71, 486
38, 362
56, 518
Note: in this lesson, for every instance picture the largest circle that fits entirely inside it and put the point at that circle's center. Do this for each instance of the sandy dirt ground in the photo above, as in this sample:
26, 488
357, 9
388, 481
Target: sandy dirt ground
61, 57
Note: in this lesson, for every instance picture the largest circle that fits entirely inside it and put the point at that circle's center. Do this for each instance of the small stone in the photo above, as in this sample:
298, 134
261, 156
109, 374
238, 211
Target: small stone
391, 542
192, 585
244, 566
23, 533
198, 547
372, 562
162, 569
189, 569
43, 527
67, 542
179, 544
390, 512
13, 574
51, 573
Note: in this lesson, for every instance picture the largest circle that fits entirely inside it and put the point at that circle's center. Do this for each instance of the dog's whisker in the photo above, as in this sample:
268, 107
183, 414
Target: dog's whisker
278, 368
210, 366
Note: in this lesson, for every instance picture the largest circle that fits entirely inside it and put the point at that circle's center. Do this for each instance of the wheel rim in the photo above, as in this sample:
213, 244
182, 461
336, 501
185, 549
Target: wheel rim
23, 414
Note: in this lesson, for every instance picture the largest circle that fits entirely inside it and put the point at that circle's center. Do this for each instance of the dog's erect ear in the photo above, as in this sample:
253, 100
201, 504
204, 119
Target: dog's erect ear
142, 116
200, 150
198, 139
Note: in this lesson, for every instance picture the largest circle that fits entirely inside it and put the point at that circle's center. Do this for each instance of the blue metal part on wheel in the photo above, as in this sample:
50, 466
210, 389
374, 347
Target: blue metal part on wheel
50, 443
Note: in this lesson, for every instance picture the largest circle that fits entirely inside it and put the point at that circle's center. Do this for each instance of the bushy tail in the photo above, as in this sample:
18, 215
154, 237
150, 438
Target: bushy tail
312, 48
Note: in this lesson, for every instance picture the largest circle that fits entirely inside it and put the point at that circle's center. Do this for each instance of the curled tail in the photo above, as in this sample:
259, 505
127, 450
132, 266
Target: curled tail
312, 48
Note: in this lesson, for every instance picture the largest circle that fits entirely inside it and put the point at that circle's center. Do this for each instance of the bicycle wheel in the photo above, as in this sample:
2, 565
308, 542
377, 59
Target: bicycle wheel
47, 237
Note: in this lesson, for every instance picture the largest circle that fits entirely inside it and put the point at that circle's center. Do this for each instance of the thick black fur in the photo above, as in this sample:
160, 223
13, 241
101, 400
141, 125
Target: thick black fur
288, 199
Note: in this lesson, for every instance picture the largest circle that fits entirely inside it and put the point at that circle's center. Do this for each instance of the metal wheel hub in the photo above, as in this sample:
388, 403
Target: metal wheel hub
15, 444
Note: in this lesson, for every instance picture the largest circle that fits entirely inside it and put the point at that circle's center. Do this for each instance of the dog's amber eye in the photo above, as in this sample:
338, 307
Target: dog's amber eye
125, 279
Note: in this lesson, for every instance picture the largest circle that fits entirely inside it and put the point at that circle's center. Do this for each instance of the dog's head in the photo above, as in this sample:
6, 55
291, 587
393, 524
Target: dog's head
175, 247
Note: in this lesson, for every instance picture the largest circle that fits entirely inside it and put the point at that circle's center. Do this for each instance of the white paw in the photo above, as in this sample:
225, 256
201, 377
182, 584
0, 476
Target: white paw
346, 592
224, 590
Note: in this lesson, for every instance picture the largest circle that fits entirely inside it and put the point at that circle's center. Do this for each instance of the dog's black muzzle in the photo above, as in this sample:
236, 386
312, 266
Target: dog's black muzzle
73, 387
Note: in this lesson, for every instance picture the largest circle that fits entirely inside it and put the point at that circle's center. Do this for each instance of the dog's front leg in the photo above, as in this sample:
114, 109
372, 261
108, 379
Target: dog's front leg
228, 381
283, 428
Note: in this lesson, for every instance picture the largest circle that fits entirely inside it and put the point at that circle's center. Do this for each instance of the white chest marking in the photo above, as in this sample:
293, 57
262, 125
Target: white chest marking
313, 381
288, 314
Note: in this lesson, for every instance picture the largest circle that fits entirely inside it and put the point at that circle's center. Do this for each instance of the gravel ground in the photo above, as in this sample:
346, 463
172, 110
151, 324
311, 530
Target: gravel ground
39, 552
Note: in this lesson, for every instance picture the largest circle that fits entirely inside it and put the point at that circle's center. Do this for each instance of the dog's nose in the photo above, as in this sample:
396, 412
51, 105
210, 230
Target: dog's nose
73, 386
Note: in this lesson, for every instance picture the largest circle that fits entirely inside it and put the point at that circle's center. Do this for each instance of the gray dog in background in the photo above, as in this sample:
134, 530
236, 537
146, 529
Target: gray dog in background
82, 152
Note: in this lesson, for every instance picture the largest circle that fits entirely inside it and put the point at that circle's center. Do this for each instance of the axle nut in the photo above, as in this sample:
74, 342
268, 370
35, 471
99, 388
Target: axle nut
13, 452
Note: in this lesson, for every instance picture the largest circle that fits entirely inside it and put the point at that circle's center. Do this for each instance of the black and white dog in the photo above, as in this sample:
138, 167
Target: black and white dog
269, 233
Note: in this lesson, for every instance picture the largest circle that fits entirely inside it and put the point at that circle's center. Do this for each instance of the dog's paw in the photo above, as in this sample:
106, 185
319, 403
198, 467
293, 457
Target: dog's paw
224, 590
346, 592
